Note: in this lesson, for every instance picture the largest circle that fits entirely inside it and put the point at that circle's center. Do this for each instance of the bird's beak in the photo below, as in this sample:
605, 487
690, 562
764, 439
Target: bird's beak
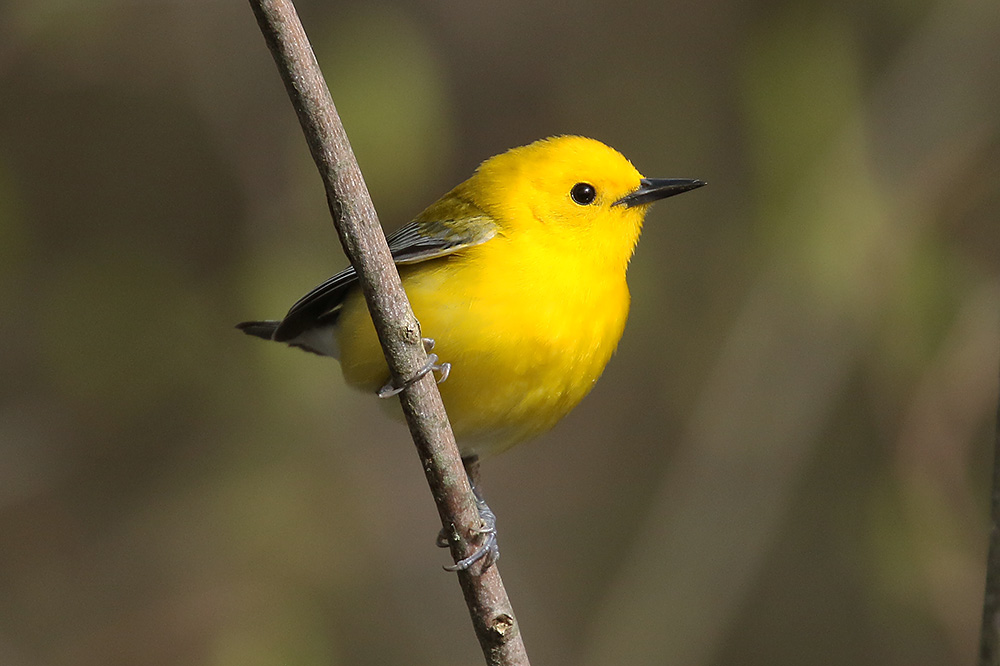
654, 189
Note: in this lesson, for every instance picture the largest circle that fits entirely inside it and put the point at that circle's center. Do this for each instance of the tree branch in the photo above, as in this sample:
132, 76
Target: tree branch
398, 330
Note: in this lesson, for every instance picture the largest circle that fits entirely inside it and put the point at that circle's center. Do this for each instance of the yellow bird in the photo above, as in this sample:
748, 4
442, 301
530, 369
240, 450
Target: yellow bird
518, 274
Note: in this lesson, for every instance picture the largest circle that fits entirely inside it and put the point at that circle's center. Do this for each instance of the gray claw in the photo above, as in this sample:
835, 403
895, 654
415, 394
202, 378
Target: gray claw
489, 551
432, 365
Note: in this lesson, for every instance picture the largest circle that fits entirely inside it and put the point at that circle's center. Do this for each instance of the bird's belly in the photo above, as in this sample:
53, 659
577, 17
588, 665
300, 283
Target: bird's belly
520, 361
497, 398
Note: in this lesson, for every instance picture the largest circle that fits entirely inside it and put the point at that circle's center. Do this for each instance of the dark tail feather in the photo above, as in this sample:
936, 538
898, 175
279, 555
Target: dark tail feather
262, 329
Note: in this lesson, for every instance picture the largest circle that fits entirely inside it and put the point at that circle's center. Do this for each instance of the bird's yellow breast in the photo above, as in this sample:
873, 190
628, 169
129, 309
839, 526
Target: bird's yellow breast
527, 327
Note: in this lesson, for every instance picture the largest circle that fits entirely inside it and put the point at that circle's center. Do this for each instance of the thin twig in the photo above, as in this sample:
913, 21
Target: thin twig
398, 330
989, 639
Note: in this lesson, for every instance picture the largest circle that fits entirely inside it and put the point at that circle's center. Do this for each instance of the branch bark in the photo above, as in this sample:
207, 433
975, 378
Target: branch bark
398, 330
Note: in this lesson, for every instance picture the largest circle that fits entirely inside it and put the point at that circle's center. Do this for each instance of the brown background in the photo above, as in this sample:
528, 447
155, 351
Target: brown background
786, 463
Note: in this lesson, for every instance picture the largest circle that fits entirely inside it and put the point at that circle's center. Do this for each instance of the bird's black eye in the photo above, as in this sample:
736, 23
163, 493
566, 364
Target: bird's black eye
583, 193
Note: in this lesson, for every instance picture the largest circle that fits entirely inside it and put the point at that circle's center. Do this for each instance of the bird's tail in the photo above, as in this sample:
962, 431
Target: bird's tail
317, 339
262, 329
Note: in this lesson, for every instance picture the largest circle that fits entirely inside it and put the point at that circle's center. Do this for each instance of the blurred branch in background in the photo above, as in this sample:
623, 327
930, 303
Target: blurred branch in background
989, 639
398, 330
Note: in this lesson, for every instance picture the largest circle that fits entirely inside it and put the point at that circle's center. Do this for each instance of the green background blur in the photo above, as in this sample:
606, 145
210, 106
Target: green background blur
787, 462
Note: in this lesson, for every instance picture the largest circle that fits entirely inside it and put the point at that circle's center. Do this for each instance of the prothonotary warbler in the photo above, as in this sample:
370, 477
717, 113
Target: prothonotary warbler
518, 275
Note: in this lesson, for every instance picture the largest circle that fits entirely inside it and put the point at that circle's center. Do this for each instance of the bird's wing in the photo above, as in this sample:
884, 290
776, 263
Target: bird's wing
420, 240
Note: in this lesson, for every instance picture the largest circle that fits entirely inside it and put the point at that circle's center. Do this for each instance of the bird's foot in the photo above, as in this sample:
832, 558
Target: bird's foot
432, 365
489, 550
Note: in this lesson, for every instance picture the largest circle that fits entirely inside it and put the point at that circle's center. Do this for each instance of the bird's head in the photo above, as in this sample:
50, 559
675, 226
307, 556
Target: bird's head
580, 188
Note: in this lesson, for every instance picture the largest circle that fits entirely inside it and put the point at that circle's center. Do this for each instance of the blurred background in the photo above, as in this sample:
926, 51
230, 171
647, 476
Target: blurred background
787, 462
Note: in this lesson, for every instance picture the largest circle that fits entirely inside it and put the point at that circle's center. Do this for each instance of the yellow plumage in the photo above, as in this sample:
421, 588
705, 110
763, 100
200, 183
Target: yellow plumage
518, 274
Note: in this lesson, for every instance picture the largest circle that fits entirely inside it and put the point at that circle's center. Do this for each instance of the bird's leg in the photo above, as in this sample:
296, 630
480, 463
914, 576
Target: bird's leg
489, 550
432, 365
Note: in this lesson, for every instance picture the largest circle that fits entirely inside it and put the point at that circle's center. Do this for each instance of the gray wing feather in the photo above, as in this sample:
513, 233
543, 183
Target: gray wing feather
415, 242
